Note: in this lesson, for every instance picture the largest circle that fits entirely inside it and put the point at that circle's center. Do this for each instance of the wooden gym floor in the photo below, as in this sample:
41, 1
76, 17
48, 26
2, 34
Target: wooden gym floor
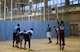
41, 45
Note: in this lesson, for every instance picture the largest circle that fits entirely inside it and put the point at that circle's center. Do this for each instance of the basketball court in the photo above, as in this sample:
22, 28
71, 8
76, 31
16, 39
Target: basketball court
41, 45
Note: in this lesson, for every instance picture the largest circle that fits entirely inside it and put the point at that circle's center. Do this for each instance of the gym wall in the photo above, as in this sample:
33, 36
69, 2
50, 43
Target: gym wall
6, 28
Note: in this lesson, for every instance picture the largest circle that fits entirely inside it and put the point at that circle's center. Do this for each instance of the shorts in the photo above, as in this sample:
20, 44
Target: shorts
48, 34
17, 38
20, 37
26, 37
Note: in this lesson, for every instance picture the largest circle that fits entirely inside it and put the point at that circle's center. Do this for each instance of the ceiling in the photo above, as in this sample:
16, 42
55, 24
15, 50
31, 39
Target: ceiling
8, 2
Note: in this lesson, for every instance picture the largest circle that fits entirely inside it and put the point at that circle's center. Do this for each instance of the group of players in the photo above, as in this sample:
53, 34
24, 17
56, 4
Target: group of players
59, 34
18, 37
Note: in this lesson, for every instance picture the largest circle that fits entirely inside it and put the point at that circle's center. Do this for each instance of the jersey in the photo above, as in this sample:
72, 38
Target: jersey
16, 29
49, 29
28, 32
61, 27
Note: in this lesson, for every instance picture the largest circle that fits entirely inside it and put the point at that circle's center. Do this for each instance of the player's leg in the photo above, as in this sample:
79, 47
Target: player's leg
17, 41
57, 38
14, 38
29, 43
49, 37
21, 39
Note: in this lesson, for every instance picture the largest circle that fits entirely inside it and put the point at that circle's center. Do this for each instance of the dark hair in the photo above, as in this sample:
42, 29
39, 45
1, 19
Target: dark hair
24, 30
48, 25
62, 21
18, 24
54, 26
31, 28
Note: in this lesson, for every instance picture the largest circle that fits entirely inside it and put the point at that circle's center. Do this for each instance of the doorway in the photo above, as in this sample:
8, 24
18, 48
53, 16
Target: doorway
74, 29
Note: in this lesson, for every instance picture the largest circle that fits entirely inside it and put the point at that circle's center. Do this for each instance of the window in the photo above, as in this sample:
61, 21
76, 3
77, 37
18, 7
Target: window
63, 1
63, 4
38, 5
34, 6
50, 3
41, 4
59, 5
72, 2
39, 8
55, 2
58, 2
15, 9
75, 2
30, 0
26, 7
79, 1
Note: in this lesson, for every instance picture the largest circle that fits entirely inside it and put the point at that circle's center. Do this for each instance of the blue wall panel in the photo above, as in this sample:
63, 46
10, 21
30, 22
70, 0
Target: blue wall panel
6, 28
67, 29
